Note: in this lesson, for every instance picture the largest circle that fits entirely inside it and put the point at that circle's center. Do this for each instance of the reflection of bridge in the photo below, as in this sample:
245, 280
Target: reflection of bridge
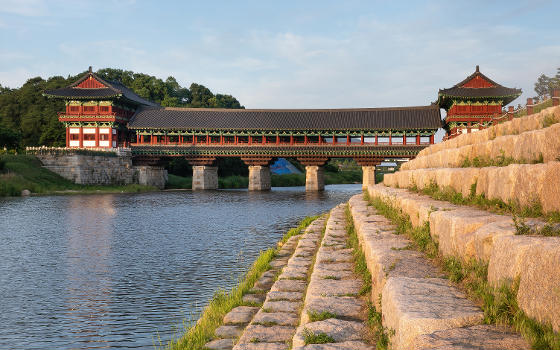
101, 113
258, 136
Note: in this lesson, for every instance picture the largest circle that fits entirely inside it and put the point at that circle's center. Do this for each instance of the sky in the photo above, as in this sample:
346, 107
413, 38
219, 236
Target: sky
288, 54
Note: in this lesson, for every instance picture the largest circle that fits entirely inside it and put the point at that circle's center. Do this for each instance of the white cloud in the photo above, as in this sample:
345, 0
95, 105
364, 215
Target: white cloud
28, 8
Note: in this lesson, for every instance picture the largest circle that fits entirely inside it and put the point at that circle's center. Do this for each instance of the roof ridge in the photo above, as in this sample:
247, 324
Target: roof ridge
477, 72
237, 110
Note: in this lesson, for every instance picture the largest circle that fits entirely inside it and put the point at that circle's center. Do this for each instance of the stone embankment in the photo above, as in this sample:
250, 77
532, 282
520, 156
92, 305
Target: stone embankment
310, 299
530, 139
420, 308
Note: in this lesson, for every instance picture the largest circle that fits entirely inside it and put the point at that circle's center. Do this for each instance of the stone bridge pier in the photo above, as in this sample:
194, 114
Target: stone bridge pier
314, 173
368, 170
205, 173
259, 173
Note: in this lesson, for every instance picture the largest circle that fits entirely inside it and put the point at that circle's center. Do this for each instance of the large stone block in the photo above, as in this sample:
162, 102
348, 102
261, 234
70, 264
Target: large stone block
550, 195
314, 178
447, 226
415, 306
478, 245
205, 177
539, 287
259, 178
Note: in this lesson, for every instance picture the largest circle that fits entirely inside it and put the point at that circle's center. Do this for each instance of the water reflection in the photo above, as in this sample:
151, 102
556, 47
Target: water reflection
116, 271
89, 220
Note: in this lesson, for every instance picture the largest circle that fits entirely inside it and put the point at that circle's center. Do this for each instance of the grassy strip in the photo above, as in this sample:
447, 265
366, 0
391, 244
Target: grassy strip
316, 338
20, 172
299, 229
499, 161
448, 194
360, 267
198, 333
499, 304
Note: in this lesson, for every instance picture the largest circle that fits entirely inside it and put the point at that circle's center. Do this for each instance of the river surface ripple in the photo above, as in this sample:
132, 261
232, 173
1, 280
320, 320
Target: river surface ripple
119, 271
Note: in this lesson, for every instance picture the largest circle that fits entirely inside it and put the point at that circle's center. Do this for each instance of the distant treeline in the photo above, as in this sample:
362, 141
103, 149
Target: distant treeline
27, 118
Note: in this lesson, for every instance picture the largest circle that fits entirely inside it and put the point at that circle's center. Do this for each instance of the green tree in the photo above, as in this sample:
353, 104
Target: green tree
201, 97
545, 84
9, 138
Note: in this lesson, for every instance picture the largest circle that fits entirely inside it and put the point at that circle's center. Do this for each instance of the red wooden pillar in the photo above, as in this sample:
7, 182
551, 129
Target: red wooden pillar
432, 139
277, 139
347, 139
250, 140
81, 137
142, 139
263, 139
96, 136
417, 139
376, 139
320, 139
194, 139
556, 97
305, 139
390, 139
67, 137
110, 137
221, 139
404, 139
207, 139
291, 139
529, 106
362, 139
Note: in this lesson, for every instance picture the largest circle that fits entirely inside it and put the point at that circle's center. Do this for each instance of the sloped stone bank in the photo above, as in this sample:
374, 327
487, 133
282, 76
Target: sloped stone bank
470, 233
521, 138
525, 184
421, 310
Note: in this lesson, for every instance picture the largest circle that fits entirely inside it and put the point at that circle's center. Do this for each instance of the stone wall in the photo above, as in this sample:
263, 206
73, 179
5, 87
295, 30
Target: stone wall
470, 233
103, 170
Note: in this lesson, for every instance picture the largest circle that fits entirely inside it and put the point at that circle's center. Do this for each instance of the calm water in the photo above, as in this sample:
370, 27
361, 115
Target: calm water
117, 271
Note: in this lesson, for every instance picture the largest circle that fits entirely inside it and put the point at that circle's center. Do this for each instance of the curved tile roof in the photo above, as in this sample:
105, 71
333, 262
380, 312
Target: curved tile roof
423, 117
112, 89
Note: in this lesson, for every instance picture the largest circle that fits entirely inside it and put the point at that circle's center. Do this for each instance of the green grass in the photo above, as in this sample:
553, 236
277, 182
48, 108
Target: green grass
199, 331
175, 181
499, 161
498, 303
315, 316
288, 180
316, 338
494, 205
234, 181
26, 172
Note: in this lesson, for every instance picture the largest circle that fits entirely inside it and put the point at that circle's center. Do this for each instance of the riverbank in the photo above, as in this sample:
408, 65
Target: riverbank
25, 172
200, 331
287, 180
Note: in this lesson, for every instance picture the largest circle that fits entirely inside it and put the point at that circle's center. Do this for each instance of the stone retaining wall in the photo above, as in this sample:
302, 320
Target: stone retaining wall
470, 233
103, 170
516, 126
525, 184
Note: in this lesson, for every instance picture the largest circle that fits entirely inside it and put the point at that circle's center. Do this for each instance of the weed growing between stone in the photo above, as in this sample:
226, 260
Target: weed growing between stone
315, 316
549, 229
494, 205
380, 333
199, 332
500, 161
499, 304
319, 338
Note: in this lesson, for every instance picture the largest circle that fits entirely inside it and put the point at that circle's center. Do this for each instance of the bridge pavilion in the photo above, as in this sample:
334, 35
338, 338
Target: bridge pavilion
101, 113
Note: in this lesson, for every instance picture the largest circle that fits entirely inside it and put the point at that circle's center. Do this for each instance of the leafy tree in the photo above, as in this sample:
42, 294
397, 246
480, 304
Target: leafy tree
35, 118
9, 138
545, 85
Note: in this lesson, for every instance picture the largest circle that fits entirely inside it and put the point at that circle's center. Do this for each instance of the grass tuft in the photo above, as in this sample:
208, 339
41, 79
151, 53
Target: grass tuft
316, 338
315, 316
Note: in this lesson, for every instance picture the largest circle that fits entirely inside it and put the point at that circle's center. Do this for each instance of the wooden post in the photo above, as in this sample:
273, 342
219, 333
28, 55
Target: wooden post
305, 139
291, 139
207, 139
529, 106
510, 112
67, 136
277, 139
376, 139
432, 139
111, 137
320, 139
362, 139
81, 137
390, 139
556, 97
417, 139
96, 136
404, 139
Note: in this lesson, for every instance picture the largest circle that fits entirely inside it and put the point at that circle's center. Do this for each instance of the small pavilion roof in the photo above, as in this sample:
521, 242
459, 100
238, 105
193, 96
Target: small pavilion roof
423, 117
492, 91
105, 90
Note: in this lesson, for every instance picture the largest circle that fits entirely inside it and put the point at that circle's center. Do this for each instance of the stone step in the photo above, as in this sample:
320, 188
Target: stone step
333, 293
420, 311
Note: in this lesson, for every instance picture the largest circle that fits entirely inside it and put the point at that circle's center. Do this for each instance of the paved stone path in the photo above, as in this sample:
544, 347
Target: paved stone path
333, 308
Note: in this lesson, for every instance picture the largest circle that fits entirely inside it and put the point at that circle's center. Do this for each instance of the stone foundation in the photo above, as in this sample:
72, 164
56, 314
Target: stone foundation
259, 178
314, 178
205, 177
368, 177
103, 170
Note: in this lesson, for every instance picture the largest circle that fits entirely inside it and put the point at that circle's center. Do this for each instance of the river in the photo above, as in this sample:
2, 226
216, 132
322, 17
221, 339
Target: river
124, 271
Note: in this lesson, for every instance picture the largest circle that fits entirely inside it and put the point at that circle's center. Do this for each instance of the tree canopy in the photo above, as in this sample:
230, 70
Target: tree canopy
33, 118
545, 84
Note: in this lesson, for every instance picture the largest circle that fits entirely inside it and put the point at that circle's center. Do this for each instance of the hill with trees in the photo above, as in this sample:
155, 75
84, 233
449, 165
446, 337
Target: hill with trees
27, 118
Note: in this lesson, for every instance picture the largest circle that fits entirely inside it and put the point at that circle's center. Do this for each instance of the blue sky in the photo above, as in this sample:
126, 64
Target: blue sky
288, 54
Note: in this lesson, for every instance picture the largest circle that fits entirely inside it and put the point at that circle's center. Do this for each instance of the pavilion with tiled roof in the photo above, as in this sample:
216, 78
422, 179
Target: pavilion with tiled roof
472, 103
